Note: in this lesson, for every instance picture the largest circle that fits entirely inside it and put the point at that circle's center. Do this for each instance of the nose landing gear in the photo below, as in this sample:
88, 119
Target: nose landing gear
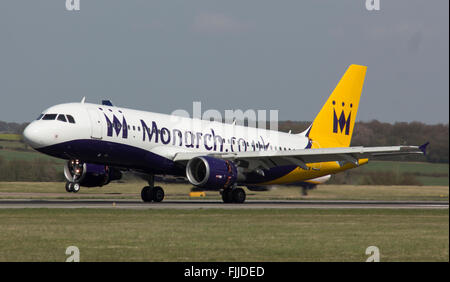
75, 170
72, 187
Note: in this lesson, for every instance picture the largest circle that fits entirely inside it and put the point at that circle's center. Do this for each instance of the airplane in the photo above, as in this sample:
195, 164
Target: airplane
100, 141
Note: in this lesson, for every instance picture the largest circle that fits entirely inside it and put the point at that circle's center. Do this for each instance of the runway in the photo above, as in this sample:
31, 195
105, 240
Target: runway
209, 204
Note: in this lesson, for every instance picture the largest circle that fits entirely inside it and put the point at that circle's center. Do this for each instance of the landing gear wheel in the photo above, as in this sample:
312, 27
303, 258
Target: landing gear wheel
146, 194
158, 194
235, 195
75, 187
227, 196
238, 195
152, 193
69, 186
72, 187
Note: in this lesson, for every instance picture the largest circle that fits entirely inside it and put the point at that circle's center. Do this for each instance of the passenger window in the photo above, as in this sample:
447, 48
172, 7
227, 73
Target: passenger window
62, 118
49, 117
134, 128
70, 119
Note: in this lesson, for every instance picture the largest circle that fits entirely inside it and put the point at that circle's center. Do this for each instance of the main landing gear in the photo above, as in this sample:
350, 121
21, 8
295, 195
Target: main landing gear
151, 193
233, 195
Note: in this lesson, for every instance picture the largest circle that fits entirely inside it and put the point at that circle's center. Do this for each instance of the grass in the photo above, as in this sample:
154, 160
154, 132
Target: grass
26, 155
433, 181
14, 145
405, 167
10, 137
224, 235
131, 190
429, 174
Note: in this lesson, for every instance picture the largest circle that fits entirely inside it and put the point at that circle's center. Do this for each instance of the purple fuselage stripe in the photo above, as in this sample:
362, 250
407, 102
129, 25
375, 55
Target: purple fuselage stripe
126, 156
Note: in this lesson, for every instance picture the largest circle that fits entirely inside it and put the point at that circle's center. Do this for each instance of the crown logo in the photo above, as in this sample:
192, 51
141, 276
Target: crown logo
342, 122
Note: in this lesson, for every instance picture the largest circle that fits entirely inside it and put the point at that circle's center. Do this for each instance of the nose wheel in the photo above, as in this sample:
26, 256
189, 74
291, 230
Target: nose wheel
72, 187
74, 171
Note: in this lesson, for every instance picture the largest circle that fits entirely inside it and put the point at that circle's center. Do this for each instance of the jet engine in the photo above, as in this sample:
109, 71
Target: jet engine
211, 172
90, 175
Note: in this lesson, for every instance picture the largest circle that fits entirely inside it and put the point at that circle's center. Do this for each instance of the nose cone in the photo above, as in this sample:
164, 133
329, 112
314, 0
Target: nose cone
33, 136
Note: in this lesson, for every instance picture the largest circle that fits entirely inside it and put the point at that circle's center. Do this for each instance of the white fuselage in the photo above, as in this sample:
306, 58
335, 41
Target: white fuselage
162, 134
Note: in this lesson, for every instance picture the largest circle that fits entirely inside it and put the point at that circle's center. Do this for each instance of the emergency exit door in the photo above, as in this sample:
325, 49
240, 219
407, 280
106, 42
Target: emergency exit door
96, 124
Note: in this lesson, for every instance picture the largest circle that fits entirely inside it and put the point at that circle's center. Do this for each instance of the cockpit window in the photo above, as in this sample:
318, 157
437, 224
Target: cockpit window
70, 119
62, 118
49, 117
39, 117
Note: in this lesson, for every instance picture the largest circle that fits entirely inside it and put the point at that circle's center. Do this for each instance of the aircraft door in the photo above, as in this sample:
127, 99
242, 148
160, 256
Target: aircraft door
96, 124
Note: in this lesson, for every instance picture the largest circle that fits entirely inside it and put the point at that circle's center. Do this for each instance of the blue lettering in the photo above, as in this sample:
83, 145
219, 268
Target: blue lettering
165, 132
217, 137
199, 136
191, 145
241, 140
145, 130
207, 136
117, 126
178, 133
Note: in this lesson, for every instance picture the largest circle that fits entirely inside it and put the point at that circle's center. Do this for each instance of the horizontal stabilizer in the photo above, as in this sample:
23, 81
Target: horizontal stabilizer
423, 148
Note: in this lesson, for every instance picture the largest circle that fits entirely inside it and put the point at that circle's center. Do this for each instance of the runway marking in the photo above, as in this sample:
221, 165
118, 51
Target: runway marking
208, 204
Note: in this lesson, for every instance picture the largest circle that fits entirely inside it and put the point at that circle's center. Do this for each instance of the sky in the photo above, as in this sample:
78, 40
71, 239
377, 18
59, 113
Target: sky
236, 54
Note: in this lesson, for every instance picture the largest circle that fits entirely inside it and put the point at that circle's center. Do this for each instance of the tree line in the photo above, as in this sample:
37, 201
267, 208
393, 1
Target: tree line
375, 133
12, 127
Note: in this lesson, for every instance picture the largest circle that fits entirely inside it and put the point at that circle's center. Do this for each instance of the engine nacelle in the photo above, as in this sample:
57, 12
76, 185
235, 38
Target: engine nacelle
90, 175
211, 173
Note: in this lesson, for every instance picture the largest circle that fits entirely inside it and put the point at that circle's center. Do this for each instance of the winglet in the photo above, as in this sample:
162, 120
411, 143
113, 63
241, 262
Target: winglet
423, 148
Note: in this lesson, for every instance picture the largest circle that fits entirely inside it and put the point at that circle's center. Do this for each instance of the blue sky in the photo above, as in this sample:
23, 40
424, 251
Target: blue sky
248, 54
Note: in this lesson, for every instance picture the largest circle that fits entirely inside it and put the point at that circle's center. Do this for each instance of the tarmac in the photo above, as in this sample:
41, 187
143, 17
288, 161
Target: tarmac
216, 204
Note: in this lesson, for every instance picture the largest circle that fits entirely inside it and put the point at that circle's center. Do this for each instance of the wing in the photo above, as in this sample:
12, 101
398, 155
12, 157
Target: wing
269, 159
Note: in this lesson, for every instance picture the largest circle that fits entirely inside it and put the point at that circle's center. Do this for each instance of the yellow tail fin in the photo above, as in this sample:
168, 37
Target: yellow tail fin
333, 126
